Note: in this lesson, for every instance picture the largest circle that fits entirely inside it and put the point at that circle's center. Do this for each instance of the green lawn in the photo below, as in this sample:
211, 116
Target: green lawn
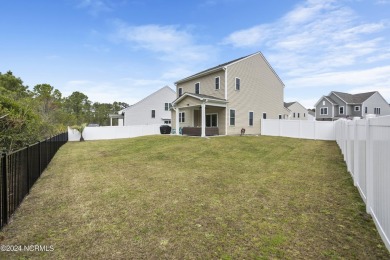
170, 197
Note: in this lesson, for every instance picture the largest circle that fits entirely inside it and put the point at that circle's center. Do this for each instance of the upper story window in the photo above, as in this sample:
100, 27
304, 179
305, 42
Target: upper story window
153, 113
323, 111
357, 108
217, 81
197, 88
180, 91
341, 110
167, 106
377, 110
238, 83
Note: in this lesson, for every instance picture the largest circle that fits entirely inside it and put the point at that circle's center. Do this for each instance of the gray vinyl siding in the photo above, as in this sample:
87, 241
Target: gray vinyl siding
318, 109
340, 102
207, 85
356, 113
261, 92
376, 100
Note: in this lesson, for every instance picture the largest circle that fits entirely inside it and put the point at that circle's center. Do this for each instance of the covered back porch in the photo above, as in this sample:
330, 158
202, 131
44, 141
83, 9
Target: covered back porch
199, 115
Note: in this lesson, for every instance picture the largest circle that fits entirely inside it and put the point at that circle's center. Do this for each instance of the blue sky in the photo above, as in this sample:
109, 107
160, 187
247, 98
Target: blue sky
123, 50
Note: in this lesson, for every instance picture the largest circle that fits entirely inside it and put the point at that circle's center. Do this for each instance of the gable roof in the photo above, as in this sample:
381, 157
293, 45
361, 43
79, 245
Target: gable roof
354, 98
327, 98
223, 65
287, 104
198, 96
147, 97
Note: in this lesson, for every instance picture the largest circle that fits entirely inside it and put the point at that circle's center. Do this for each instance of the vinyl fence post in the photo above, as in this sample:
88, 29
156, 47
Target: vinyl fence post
4, 187
369, 170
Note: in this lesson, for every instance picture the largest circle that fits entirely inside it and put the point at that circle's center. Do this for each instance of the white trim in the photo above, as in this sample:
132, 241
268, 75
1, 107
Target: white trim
327, 111
219, 83
343, 110
249, 118
234, 116
235, 83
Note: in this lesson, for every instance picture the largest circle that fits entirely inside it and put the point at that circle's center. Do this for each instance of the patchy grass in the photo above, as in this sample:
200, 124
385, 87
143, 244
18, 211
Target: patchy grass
193, 198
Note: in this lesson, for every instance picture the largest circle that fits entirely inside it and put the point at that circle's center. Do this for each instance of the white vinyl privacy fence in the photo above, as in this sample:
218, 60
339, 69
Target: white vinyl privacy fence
319, 130
113, 132
365, 145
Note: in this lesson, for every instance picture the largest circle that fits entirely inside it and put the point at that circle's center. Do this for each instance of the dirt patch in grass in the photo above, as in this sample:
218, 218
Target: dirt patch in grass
168, 197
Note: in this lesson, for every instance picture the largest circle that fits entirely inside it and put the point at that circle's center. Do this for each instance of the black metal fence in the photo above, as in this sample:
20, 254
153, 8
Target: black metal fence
19, 171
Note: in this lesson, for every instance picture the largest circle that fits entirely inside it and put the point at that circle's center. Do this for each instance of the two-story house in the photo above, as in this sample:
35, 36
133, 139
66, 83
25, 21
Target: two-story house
343, 105
153, 109
224, 99
296, 111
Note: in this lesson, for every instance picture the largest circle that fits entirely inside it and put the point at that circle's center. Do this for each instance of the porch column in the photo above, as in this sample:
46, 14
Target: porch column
203, 120
110, 121
177, 121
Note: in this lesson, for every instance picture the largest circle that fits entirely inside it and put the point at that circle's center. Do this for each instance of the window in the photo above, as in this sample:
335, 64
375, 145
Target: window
341, 110
365, 110
251, 118
377, 110
280, 116
168, 106
294, 115
357, 108
197, 88
182, 117
238, 83
180, 91
232, 117
304, 114
323, 111
212, 120
153, 113
217, 83
167, 122
264, 115
298, 115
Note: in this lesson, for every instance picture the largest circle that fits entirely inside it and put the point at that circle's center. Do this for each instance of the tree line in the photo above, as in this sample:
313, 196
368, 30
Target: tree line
28, 116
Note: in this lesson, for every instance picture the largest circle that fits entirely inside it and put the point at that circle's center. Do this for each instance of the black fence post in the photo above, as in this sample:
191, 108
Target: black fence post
28, 169
4, 187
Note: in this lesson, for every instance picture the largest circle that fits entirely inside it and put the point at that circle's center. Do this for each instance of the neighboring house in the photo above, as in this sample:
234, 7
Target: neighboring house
343, 105
226, 98
154, 109
311, 114
297, 111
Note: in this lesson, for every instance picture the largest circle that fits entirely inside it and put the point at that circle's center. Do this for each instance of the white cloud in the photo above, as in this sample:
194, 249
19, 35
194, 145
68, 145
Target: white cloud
172, 42
95, 7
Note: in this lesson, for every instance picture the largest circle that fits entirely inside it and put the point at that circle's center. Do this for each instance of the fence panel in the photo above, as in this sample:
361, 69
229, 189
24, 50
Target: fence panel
366, 148
20, 170
114, 132
298, 129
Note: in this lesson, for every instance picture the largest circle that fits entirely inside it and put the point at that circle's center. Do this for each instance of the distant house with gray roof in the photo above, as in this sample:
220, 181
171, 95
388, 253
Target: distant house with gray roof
344, 105
296, 111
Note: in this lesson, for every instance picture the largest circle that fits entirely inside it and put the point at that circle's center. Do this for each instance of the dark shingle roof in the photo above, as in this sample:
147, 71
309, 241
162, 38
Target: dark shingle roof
287, 104
220, 66
354, 98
